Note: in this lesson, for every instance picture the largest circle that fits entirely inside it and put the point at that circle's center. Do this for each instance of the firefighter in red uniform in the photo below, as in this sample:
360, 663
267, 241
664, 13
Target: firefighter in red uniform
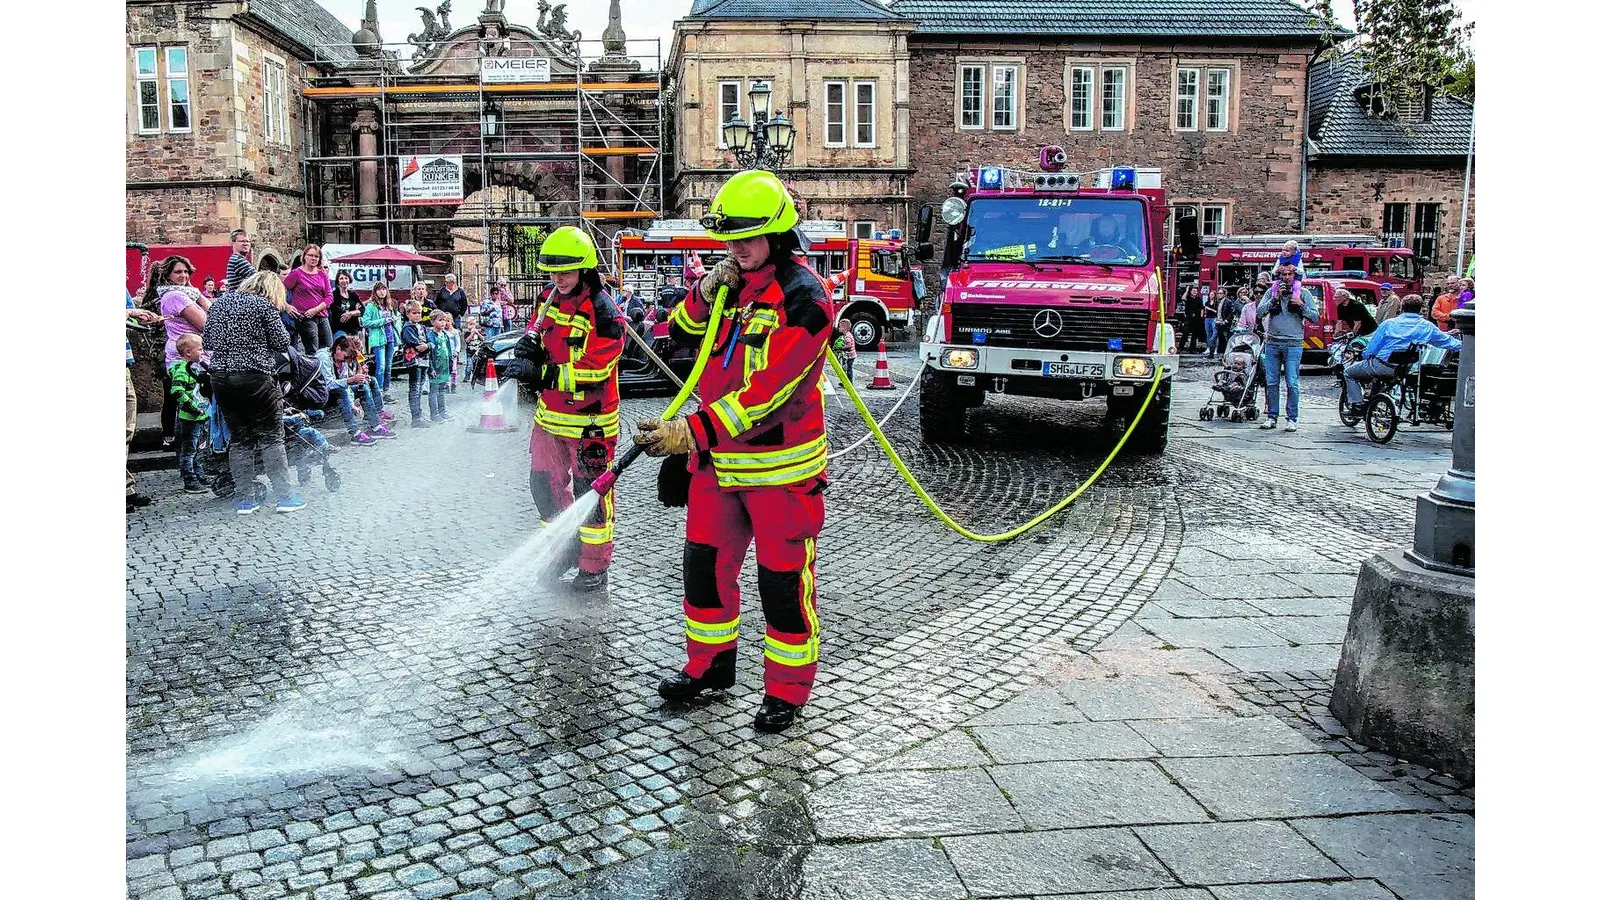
759, 449
570, 351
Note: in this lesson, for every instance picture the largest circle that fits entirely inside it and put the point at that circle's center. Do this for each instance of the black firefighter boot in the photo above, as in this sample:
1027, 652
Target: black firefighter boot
719, 676
775, 715
589, 582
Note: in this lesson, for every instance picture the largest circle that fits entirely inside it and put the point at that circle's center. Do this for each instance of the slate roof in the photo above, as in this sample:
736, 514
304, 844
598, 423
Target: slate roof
1341, 126
844, 10
307, 23
1165, 18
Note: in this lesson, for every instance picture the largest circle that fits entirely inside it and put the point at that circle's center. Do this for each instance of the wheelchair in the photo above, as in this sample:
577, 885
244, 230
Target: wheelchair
1421, 390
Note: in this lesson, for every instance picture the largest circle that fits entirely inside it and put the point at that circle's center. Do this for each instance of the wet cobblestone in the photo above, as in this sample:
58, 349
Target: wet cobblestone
509, 739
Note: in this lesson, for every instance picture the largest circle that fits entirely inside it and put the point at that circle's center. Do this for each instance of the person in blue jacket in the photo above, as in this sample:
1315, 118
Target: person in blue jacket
1409, 327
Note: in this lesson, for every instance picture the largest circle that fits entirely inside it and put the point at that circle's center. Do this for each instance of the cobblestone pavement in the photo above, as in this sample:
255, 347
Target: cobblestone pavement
362, 700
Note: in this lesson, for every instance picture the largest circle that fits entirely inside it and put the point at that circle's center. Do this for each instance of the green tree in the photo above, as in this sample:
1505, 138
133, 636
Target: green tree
1408, 47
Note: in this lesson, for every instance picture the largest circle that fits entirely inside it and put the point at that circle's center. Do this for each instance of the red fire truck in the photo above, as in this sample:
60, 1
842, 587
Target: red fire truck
1052, 293
1230, 260
880, 290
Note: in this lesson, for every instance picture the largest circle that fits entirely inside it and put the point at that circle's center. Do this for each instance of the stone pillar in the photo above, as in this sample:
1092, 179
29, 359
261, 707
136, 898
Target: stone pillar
366, 129
1406, 671
1445, 525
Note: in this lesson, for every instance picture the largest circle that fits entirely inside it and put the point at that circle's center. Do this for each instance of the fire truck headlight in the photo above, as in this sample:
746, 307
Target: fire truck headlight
1133, 367
953, 211
960, 359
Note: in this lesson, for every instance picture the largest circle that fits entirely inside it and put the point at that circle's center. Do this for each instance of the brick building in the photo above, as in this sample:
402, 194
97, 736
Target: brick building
840, 70
1214, 93
215, 127
1398, 173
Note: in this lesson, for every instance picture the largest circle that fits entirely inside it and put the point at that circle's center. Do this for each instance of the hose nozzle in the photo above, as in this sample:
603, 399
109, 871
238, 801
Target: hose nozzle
608, 479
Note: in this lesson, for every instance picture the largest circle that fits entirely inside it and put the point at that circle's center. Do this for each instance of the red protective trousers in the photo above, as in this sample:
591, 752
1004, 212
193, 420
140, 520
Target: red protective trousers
557, 471
784, 521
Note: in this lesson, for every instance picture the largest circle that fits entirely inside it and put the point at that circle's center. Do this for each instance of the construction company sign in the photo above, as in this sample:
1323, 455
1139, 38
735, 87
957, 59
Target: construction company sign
513, 69
428, 180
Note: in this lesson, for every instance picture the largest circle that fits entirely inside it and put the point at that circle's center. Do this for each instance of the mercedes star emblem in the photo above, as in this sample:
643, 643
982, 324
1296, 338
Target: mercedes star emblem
1047, 324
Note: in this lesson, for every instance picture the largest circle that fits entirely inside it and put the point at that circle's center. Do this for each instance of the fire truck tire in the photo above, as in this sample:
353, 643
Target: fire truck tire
941, 409
867, 328
1150, 437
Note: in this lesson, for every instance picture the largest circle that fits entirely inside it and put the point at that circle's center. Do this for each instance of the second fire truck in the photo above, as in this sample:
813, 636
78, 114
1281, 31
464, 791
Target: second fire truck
881, 282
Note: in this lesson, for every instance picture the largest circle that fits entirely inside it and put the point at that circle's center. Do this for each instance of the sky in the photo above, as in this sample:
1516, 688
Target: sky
640, 18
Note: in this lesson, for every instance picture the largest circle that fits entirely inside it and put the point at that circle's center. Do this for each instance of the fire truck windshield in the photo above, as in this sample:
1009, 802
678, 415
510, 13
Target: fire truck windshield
1108, 230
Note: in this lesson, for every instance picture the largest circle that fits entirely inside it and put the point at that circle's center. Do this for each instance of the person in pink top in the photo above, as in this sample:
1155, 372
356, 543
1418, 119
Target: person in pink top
169, 293
310, 296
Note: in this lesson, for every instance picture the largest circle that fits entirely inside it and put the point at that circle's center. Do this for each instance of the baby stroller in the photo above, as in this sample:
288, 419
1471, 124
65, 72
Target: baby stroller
305, 391
1237, 378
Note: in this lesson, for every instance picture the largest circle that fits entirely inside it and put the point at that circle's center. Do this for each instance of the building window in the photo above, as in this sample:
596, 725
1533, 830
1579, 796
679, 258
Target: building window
972, 97
866, 113
833, 113
1394, 223
1213, 219
1005, 98
863, 229
1217, 95
145, 78
727, 106
274, 102
1113, 97
178, 89
1082, 98
1425, 233
1178, 211
1187, 98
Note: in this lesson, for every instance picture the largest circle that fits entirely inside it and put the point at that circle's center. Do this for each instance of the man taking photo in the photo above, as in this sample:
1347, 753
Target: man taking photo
1286, 312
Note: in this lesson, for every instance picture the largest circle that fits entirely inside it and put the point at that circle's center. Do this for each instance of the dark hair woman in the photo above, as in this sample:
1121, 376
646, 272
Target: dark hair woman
169, 292
346, 312
245, 334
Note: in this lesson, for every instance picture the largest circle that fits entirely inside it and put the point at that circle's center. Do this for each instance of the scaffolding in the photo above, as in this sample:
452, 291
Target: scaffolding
584, 147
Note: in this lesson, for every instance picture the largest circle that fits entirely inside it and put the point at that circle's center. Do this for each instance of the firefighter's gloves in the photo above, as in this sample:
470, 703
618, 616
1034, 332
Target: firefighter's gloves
667, 438
531, 350
725, 272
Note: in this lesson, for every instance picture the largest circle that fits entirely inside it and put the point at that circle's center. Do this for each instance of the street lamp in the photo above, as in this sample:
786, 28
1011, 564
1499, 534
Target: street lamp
764, 143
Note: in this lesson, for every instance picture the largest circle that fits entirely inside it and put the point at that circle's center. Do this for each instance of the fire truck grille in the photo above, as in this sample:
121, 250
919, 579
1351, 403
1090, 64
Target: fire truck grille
1033, 327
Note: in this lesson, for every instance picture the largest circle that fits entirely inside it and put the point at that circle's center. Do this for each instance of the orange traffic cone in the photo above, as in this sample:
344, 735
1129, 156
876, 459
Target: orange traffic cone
491, 414
880, 376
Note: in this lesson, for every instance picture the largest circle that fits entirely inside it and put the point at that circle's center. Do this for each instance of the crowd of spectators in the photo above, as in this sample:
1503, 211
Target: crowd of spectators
227, 354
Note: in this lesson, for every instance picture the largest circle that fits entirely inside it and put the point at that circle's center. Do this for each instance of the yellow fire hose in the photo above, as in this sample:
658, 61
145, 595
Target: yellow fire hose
1024, 528
604, 483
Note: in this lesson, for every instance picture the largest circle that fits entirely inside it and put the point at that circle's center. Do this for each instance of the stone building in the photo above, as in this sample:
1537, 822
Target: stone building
1398, 173
215, 126
840, 70
1212, 93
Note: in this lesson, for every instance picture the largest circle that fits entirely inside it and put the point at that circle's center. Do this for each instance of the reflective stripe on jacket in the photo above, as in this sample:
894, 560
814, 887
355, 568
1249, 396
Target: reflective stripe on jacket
762, 421
583, 338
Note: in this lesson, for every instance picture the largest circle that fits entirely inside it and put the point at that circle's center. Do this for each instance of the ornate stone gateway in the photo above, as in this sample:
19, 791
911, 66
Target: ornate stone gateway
548, 130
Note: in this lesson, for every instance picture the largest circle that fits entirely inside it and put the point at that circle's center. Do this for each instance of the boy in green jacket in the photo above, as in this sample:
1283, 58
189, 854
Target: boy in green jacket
192, 418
